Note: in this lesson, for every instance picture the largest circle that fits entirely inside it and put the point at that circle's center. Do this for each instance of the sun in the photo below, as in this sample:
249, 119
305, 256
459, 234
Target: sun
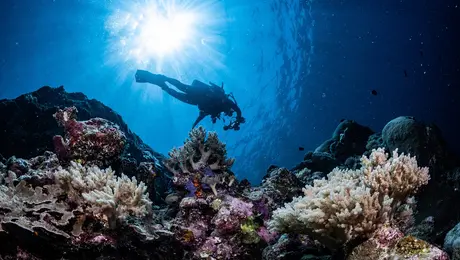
159, 31
161, 35
167, 36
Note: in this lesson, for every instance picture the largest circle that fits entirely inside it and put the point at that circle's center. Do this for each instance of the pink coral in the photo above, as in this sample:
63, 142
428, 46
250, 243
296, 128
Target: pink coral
97, 140
267, 235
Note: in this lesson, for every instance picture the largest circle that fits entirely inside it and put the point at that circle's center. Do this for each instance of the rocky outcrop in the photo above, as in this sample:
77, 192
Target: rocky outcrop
27, 128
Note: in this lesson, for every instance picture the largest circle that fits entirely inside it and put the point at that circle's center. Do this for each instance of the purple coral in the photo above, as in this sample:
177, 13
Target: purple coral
216, 248
190, 187
231, 215
262, 208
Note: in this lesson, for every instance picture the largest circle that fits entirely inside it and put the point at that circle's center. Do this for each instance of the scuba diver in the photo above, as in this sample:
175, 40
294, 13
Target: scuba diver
210, 99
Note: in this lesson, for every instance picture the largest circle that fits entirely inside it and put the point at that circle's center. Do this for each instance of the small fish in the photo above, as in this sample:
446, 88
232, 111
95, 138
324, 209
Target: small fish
405, 73
301, 148
341, 120
374, 92
421, 53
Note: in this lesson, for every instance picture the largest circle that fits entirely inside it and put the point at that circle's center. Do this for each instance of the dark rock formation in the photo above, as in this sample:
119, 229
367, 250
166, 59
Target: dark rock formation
348, 139
278, 187
317, 162
409, 135
295, 247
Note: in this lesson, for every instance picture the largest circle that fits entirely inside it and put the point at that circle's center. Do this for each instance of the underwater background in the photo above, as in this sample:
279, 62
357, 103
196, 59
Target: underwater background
296, 68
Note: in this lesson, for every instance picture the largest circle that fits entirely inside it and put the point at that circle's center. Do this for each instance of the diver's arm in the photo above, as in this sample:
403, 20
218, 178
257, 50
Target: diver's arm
200, 117
235, 108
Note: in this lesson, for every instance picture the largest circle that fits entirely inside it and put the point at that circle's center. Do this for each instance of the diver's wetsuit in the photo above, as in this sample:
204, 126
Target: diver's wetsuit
211, 100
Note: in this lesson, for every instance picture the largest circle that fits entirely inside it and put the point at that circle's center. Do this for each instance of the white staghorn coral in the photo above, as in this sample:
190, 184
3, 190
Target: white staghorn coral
351, 204
120, 198
398, 176
77, 179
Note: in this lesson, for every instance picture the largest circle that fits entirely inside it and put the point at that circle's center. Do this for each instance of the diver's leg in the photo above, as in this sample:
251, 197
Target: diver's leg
179, 85
180, 96
143, 76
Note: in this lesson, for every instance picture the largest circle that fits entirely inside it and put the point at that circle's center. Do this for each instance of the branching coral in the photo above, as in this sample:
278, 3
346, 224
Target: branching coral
77, 179
108, 195
200, 163
199, 152
120, 198
352, 204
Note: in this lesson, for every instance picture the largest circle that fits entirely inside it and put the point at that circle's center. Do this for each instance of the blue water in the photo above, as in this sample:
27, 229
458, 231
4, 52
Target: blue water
295, 67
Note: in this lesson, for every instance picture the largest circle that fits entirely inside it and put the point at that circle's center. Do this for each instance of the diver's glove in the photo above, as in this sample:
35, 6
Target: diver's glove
235, 125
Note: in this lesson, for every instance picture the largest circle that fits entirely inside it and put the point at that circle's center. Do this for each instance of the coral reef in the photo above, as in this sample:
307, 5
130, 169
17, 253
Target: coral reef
292, 246
214, 221
103, 194
278, 187
412, 136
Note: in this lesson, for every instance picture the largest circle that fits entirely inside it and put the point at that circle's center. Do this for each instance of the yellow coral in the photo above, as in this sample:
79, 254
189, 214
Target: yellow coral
249, 231
216, 204
188, 236
409, 246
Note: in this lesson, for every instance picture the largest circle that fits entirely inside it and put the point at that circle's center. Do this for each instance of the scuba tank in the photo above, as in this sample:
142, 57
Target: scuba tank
213, 87
199, 84
221, 89
216, 88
